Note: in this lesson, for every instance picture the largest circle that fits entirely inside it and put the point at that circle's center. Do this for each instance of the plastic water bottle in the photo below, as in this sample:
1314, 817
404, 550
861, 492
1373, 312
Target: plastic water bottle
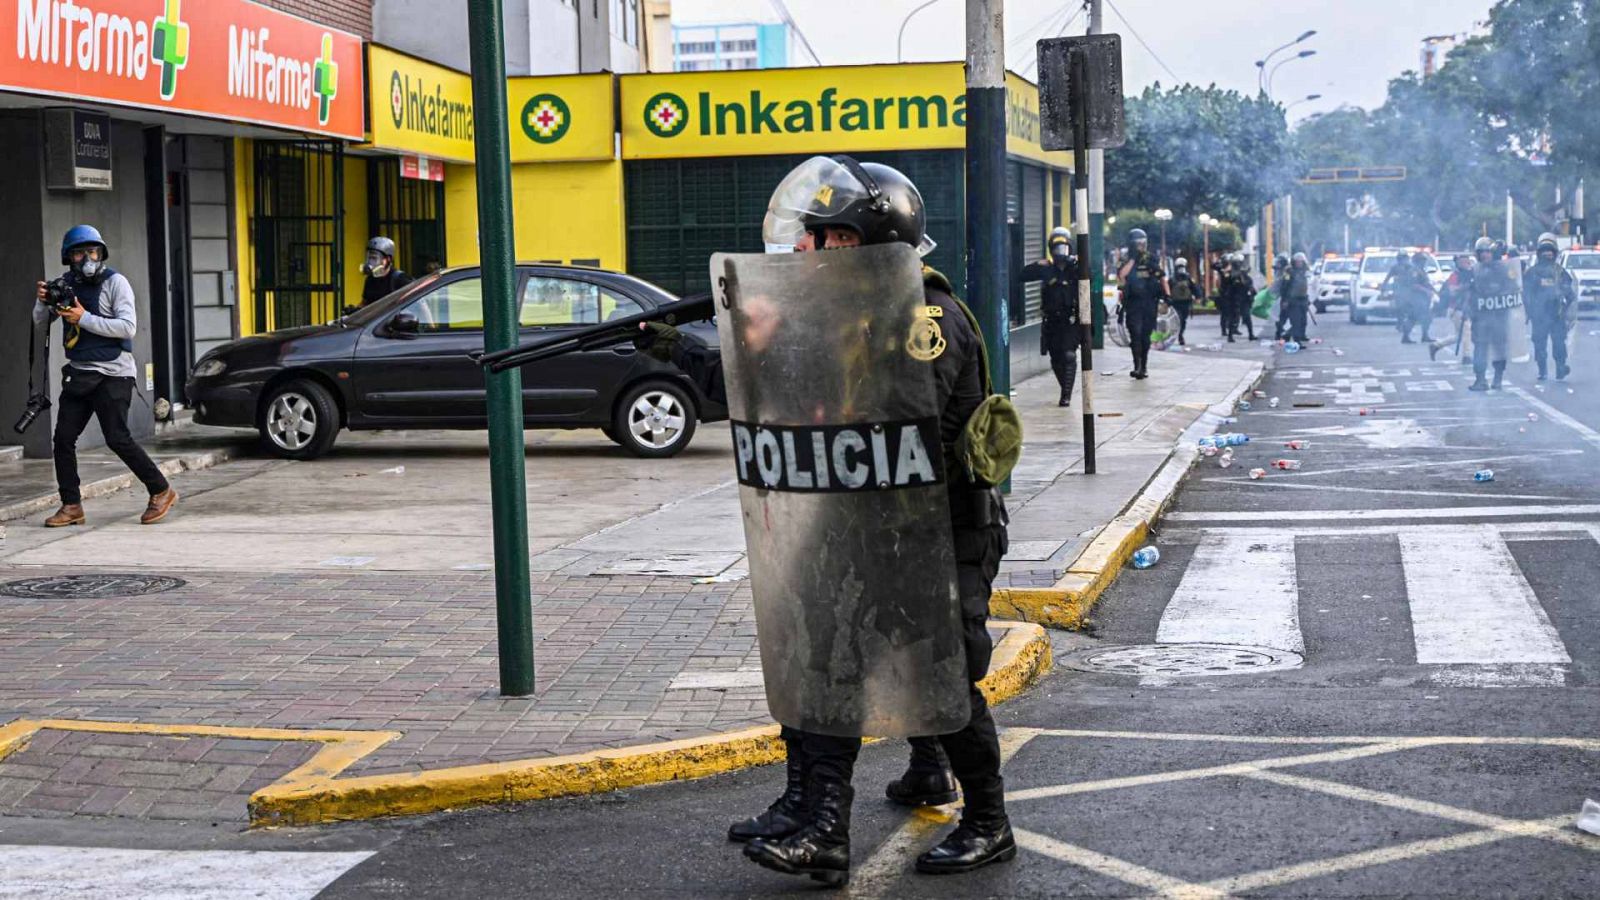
1483, 475
1227, 458
1533, 417
1292, 347
1146, 557
1244, 405
1259, 395
1288, 464
1297, 444
1273, 403
1257, 474
1235, 438
1228, 420
1208, 450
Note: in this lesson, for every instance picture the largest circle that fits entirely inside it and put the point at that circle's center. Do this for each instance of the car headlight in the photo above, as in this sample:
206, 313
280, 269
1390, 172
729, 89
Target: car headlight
210, 367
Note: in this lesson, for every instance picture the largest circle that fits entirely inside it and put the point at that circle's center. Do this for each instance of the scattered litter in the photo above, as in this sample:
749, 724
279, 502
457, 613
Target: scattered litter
397, 470
1539, 388
1146, 557
1533, 417
1212, 348
1522, 430
1337, 352
1309, 404
1291, 347
1229, 439
1483, 475
1244, 405
1107, 372
1259, 395
1257, 474
1273, 403
1109, 415
1208, 450
1297, 444
1589, 818
1227, 458
1363, 411
1366, 596
1571, 391
724, 578
1316, 340
1228, 420
1288, 464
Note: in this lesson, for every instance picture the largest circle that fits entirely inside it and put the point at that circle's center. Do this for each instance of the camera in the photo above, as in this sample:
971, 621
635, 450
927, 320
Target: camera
59, 295
37, 403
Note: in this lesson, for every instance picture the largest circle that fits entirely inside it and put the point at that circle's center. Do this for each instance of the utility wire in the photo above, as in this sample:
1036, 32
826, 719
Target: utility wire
783, 13
1044, 22
1033, 64
1135, 33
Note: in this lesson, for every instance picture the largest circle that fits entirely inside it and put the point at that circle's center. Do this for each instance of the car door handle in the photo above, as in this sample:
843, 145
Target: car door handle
624, 349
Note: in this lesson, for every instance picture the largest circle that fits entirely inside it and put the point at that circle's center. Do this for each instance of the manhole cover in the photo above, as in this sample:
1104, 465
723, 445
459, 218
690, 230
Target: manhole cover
1182, 660
89, 587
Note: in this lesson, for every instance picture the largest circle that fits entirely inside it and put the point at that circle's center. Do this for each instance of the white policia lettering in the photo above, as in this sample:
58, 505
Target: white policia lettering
848, 457
1500, 301
256, 73
115, 45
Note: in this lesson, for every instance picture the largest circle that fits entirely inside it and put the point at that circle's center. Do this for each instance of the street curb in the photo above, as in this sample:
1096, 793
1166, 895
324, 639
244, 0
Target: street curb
191, 463
1068, 603
1021, 657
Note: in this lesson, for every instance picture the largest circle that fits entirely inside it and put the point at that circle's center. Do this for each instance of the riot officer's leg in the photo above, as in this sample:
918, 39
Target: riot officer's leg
1499, 351
1067, 345
984, 835
1182, 307
1558, 346
1425, 315
1248, 315
1541, 333
1225, 314
821, 847
786, 814
1480, 355
1297, 323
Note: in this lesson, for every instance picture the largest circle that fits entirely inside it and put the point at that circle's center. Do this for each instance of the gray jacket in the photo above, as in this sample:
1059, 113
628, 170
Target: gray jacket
117, 317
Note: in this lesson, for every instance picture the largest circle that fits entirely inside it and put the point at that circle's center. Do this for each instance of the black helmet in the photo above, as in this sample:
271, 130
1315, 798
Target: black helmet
1281, 261
1137, 237
1300, 260
873, 200
1500, 249
1484, 245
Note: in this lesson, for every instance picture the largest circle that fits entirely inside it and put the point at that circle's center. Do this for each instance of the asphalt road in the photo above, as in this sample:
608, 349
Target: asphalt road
1368, 677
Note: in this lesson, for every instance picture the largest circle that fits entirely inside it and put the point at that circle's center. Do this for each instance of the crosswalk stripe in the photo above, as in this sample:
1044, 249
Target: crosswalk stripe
1337, 515
1471, 604
1238, 589
43, 872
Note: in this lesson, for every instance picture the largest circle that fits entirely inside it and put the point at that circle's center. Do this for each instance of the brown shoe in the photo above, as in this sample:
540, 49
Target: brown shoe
68, 514
160, 505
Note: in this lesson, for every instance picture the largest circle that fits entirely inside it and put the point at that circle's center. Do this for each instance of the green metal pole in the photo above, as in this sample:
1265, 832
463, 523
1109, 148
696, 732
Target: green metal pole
508, 489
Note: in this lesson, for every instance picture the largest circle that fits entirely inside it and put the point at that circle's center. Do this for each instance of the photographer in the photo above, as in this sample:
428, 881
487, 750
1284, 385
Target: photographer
99, 319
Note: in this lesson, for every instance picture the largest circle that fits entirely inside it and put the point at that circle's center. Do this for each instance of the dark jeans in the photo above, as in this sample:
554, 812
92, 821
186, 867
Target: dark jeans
85, 393
1182, 307
974, 751
1549, 336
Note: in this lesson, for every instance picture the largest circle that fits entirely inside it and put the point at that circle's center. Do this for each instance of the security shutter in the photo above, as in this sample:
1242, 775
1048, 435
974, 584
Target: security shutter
1033, 235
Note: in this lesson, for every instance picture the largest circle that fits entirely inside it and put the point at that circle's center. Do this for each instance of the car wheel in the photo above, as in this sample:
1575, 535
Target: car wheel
1358, 318
655, 419
299, 420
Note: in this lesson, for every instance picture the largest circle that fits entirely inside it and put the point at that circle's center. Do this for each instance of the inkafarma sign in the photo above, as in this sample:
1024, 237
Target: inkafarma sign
419, 107
814, 110
221, 59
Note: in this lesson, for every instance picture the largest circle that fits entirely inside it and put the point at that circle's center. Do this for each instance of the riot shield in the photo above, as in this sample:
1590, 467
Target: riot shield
827, 357
1519, 341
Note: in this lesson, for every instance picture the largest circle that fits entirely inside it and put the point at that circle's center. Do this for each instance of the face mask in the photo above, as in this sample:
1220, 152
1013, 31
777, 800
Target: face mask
1059, 252
377, 265
88, 268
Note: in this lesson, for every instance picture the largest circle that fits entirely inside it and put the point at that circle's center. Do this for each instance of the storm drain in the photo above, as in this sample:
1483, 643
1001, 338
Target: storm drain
1181, 660
89, 587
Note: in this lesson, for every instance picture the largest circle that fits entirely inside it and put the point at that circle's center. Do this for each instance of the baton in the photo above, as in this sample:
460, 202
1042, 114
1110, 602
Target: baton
595, 337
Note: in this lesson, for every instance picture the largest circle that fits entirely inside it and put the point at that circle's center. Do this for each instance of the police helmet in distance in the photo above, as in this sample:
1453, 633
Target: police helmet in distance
1299, 261
876, 202
1548, 244
1138, 239
1182, 265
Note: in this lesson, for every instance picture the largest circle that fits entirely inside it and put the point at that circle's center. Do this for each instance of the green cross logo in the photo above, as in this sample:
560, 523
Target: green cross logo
666, 114
545, 118
325, 79
170, 47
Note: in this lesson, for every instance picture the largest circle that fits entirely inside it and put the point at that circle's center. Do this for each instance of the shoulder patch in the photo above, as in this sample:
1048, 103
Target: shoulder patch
932, 312
926, 342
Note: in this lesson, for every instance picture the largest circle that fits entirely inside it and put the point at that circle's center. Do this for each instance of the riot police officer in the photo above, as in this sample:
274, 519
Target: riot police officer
827, 204
1059, 333
1280, 272
1144, 286
1456, 298
1548, 293
1297, 296
1185, 290
1496, 293
1239, 292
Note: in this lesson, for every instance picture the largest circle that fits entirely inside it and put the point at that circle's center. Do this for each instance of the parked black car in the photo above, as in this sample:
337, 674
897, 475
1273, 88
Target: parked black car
402, 362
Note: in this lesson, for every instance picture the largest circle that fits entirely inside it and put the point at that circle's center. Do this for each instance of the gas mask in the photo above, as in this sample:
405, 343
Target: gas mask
87, 265
1060, 252
377, 265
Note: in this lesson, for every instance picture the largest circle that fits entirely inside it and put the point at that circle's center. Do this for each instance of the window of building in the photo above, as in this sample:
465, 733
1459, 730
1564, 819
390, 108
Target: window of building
625, 21
738, 46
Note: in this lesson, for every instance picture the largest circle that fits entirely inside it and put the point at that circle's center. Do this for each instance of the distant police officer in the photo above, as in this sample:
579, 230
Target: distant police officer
1550, 297
1059, 333
1280, 273
383, 278
1144, 286
98, 379
1456, 298
1185, 290
1238, 291
1297, 296
1496, 294
827, 204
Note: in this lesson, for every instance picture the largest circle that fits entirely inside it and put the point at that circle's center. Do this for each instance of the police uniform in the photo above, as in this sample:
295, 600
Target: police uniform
1142, 292
1059, 333
1185, 290
1547, 290
1239, 293
1495, 296
1297, 300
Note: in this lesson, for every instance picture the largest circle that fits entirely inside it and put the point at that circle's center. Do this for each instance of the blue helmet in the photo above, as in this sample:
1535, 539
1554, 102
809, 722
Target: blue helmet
83, 236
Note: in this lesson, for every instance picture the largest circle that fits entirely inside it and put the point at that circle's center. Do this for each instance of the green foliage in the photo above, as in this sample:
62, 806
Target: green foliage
1184, 236
1200, 150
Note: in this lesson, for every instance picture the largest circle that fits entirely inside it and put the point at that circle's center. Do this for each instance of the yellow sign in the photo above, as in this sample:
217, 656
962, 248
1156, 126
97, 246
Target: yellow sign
919, 106
418, 107
561, 118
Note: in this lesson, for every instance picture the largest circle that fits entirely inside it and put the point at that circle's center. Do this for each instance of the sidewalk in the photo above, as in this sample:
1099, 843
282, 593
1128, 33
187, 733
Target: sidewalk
329, 650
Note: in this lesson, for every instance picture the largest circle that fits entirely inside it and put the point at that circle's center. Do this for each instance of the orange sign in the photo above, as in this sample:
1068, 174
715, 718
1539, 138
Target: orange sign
222, 59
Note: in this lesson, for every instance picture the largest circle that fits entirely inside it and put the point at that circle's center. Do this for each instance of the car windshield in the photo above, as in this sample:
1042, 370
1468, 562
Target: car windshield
1339, 265
1447, 264
1583, 261
366, 314
1377, 265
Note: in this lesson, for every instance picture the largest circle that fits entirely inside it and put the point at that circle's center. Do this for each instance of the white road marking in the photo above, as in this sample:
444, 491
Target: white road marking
1289, 485
738, 678
1112, 867
1442, 512
1556, 415
48, 872
1512, 531
1239, 589
1542, 457
1470, 603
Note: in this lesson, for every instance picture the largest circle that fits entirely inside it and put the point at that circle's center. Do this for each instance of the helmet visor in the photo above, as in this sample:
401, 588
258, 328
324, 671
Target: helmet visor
818, 188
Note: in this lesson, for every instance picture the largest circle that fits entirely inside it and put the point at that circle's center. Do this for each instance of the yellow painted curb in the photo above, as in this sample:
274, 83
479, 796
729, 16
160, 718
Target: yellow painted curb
1067, 603
1020, 658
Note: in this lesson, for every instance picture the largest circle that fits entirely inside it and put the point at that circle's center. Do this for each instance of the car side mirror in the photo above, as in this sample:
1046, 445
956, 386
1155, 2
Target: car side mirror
404, 325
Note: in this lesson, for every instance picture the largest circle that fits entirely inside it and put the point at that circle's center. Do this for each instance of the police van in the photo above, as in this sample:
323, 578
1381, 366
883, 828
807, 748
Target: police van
1584, 265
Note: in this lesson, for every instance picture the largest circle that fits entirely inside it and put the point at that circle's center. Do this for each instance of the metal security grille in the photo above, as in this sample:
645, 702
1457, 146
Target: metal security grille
297, 227
407, 211
1034, 231
680, 211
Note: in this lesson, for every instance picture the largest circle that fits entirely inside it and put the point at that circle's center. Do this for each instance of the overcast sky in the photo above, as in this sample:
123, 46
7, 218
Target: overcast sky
1360, 44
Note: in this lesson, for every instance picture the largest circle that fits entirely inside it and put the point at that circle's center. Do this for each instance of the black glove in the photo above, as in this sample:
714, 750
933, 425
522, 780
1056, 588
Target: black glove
657, 339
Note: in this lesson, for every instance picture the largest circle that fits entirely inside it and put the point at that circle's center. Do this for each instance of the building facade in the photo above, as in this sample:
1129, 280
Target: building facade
743, 45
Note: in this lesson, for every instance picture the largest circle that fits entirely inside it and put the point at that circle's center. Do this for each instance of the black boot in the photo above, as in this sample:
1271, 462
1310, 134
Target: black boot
1499, 376
1562, 371
821, 848
983, 837
786, 814
928, 780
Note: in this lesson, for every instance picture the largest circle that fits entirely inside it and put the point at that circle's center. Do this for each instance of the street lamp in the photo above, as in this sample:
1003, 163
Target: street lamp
1163, 216
1205, 254
1261, 64
1274, 71
900, 42
1305, 99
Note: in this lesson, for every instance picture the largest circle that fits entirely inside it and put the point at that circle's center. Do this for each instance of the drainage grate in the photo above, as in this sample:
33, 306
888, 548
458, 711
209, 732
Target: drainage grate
89, 587
1181, 660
